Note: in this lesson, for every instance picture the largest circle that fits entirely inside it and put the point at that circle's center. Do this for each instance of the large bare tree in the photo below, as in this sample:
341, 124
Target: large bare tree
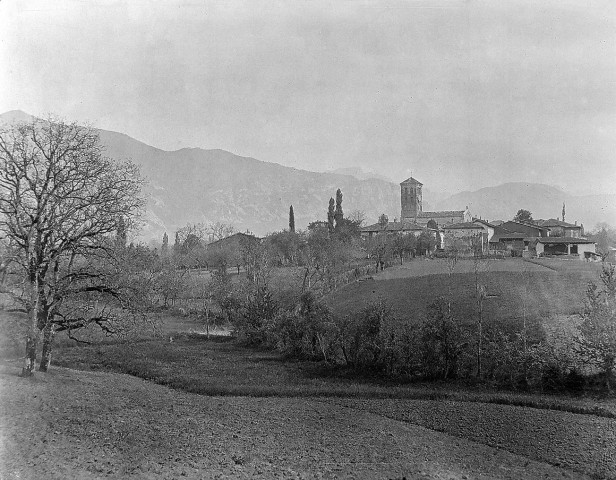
60, 203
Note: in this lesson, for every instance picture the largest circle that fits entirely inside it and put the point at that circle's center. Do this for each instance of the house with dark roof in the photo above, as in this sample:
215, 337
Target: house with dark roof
538, 239
552, 245
527, 228
395, 227
558, 228
466, 236
514, 238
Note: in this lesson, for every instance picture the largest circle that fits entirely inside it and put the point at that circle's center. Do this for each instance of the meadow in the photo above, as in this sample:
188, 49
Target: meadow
537, 289
218, 366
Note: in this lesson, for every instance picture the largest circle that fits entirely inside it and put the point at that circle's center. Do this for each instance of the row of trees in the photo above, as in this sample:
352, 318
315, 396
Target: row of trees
384, 249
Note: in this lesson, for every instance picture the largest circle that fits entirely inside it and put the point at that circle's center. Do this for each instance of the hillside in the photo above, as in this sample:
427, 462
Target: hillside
544, 201
196, 185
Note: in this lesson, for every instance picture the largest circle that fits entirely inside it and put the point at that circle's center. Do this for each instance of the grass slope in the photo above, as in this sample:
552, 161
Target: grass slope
542, 289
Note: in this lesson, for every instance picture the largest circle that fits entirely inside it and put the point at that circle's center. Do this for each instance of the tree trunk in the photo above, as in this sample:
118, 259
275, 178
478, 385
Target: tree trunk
48, 335
479, 348
29, 365
33, 332
207, 323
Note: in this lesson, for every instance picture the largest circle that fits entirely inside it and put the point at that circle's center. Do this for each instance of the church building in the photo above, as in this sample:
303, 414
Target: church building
412, 207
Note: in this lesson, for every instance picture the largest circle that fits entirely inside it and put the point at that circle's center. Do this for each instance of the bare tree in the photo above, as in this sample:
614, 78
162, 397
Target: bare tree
451, 260
480, 267
60, 201
597, 340
358, 217
219, 230
380, 249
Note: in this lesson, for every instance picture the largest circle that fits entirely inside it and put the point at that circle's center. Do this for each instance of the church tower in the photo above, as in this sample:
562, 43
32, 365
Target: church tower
411, 199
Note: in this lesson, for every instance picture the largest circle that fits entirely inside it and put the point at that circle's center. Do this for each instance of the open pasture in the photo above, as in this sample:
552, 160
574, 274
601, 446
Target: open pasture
515, 288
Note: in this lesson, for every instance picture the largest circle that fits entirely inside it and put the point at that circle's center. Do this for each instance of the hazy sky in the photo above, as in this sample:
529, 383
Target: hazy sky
463, 94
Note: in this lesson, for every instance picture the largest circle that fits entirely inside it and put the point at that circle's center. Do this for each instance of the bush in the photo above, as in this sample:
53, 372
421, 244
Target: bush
285, 334
360, 340
307, 332
253, 319
443, 341
400, 349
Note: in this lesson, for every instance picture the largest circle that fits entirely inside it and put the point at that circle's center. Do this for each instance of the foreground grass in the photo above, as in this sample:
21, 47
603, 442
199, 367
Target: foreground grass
220, 367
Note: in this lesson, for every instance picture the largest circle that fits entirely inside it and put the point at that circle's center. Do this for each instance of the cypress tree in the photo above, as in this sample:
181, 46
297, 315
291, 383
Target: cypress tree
338, 214
291, 220
330, 216
177, 246
164, 249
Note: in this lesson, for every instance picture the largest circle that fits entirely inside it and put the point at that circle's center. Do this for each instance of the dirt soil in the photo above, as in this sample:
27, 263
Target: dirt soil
69, 424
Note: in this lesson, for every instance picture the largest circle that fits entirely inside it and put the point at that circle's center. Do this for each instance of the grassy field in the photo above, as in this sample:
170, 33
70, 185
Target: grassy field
539, 289
221, 367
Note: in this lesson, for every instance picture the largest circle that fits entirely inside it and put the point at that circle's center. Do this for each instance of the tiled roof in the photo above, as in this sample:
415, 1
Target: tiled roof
411, 181
463, 226
554, 222
508, 236
483, 222
446, 213
392, 227
525, 224
553, 240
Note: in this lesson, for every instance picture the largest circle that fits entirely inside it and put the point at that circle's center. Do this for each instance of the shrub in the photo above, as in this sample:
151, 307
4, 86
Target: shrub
257, 313
443, 341
307, 332
285, 333
360, 339
399, 355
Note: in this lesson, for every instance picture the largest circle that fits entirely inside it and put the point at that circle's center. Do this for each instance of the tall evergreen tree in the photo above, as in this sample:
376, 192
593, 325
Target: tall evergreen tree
338, 214
164, 249
177, 245
291, 220
331, 216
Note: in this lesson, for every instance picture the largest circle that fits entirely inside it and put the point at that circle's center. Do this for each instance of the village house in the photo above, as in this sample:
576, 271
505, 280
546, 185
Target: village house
467, 236
513, 238
401, 228
542, 238
553, 245
558, 228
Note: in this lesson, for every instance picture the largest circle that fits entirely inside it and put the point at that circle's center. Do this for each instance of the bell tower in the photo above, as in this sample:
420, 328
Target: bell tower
410, 199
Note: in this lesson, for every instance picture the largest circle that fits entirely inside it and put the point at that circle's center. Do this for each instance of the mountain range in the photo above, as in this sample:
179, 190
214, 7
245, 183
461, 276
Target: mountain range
194, 185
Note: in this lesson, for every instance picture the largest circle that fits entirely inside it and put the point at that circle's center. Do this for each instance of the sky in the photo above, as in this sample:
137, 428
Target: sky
460, 94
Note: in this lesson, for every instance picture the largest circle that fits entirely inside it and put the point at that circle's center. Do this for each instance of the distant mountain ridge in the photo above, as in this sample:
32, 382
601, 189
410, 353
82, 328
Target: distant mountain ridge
544, 201
196, 185
360, 173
